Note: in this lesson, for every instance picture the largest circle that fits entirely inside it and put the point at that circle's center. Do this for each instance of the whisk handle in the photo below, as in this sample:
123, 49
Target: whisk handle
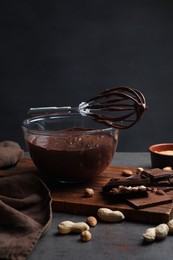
48, 110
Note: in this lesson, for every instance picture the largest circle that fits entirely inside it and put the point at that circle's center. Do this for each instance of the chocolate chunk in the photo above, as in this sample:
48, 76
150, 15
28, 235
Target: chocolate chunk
132, 181
126, 187
152, 199
127, 191
157, 174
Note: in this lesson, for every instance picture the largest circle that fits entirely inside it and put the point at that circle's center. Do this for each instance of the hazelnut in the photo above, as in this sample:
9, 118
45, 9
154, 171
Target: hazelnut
88, 192
92, 221
160, 192
127, 173
167, 168
139, 170
86, 236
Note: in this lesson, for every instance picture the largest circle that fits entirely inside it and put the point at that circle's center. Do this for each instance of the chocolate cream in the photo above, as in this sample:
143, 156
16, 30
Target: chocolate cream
72, 157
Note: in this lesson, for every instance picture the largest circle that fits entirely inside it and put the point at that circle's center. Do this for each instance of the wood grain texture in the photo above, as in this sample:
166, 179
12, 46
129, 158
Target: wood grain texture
69, 198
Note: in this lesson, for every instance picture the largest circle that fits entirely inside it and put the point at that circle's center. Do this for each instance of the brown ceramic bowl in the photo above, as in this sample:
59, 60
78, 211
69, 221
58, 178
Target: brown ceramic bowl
161, 155
69, 147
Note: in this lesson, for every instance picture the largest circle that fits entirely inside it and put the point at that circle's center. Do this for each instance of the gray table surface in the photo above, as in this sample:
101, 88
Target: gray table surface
109, 241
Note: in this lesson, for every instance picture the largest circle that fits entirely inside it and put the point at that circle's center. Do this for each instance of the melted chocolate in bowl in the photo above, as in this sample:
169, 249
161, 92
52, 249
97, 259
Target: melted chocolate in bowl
73, 155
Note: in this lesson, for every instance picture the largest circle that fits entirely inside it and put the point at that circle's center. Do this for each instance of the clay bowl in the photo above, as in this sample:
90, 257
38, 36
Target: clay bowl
161, 155
69, 147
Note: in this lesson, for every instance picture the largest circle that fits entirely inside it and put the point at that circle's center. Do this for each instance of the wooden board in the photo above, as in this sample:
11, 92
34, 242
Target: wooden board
70, 198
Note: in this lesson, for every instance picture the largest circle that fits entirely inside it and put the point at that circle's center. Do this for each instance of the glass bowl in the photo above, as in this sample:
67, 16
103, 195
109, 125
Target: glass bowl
69, 147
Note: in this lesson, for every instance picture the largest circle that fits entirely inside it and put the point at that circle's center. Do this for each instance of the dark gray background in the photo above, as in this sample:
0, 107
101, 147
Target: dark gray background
61, 52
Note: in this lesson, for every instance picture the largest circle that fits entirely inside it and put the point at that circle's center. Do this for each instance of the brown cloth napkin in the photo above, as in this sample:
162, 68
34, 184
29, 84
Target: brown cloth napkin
25, 214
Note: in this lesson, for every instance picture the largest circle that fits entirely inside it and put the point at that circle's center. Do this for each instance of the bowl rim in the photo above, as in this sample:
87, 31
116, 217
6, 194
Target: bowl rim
27, 121
160, 145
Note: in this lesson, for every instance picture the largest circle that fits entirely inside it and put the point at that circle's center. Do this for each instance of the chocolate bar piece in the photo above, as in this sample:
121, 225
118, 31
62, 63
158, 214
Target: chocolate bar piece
126, 192
126, 187
132, 181
152, 199
157, 174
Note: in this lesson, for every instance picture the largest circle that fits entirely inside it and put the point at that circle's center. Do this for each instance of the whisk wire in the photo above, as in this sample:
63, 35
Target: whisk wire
124, 100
